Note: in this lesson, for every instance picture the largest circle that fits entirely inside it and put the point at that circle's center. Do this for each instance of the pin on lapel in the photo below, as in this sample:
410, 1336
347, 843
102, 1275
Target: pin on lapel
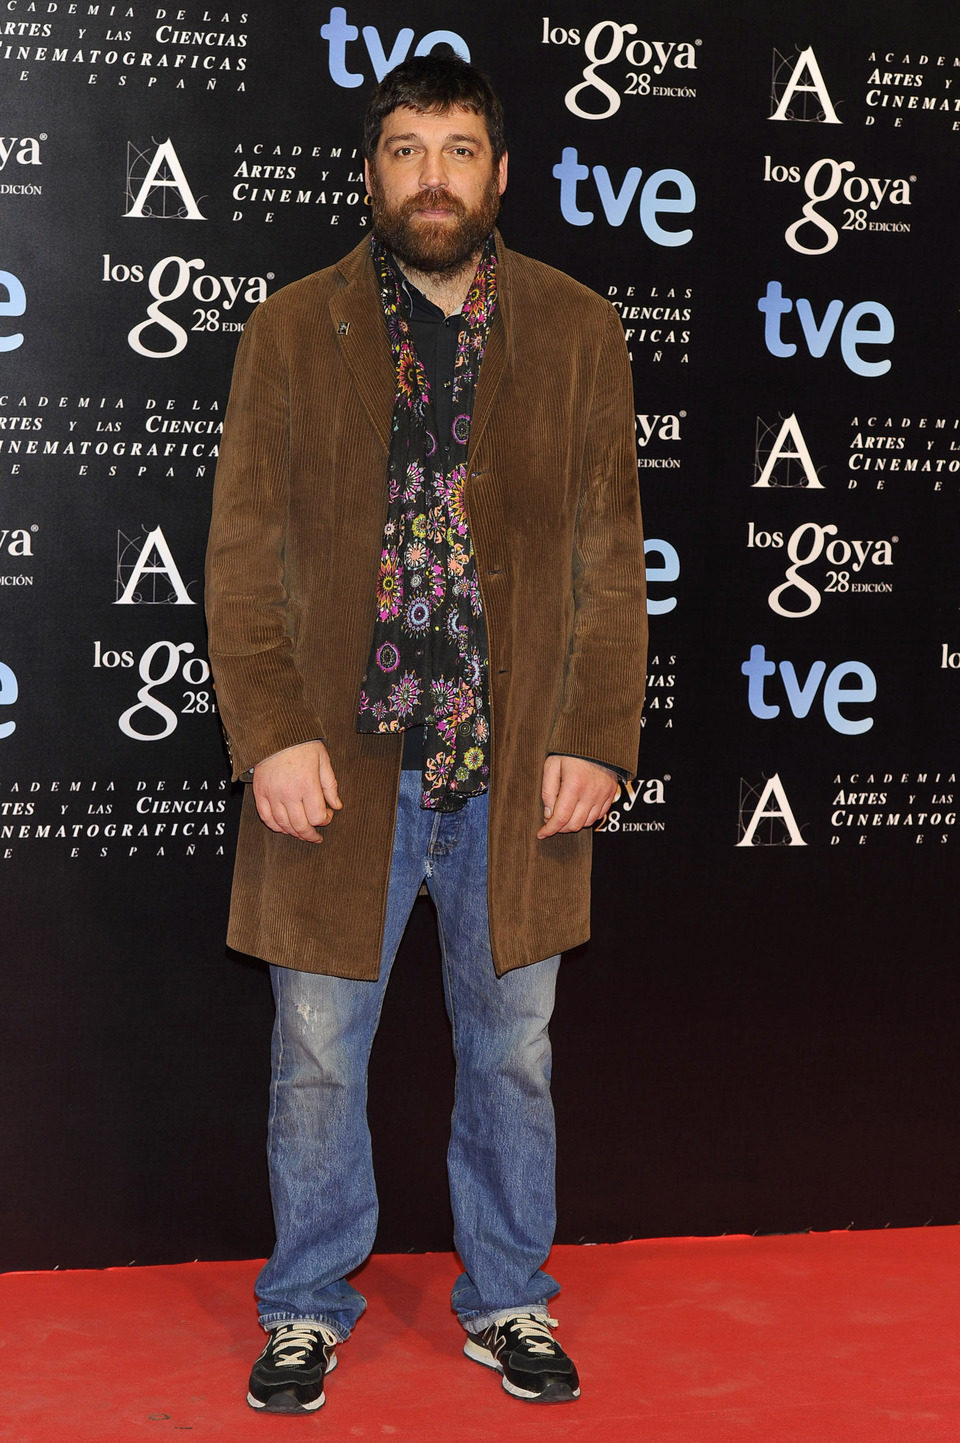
343, 328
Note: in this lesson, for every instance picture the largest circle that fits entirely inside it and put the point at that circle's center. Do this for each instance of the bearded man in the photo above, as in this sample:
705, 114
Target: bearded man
427, 628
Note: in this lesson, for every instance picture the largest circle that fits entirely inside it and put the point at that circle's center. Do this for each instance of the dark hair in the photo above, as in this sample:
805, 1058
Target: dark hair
434, 82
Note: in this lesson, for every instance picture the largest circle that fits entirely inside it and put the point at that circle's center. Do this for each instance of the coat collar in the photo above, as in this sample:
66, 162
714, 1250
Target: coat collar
357, 320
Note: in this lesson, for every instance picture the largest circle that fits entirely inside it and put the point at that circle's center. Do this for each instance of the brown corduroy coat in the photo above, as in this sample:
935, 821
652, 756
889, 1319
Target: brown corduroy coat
299, 508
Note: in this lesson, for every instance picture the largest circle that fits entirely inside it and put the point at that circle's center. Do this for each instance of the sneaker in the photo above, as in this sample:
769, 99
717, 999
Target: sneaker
533, 1364
288, 1375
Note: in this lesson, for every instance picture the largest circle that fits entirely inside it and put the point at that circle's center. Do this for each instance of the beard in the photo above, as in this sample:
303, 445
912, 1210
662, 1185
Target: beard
434, 247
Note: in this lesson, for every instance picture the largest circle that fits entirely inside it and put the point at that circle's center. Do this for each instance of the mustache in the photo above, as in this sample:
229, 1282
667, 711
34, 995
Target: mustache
437, 199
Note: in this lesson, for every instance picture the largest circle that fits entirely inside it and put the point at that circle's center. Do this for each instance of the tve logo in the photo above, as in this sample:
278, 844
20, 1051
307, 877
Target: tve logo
338, 33
9, 691
663, 192
818, 334
14, 305
801, 695
668, 570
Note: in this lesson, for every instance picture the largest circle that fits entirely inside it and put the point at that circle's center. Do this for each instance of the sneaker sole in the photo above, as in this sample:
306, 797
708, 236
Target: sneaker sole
554, 1392
287, 1402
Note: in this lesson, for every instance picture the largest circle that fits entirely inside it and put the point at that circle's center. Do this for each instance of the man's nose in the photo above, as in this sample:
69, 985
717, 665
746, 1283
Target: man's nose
433, 170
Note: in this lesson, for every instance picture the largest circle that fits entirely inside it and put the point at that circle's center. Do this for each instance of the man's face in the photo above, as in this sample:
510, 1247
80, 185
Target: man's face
434, 188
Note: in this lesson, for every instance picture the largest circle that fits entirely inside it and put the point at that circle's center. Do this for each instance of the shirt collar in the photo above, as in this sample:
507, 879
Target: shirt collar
416, 305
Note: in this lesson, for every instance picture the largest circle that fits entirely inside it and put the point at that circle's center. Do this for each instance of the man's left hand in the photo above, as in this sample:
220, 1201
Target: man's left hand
576, 793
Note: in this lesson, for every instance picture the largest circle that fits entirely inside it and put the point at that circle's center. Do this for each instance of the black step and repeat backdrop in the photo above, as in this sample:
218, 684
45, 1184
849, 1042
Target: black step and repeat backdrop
762, 1035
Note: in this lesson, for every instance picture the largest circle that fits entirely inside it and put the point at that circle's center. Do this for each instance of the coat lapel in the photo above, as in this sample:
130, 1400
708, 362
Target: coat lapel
357, 319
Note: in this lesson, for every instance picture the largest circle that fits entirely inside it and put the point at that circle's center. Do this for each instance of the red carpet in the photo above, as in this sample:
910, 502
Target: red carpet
822, 1338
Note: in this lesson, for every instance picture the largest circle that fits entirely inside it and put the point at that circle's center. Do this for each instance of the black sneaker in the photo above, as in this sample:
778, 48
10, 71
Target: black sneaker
288, 1375
533, 1364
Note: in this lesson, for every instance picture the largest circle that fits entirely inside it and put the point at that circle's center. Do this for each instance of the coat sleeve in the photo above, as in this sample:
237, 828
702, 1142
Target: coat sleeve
603, 686
250, 620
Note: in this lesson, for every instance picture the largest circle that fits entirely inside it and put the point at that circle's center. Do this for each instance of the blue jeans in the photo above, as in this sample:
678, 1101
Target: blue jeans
501, 1155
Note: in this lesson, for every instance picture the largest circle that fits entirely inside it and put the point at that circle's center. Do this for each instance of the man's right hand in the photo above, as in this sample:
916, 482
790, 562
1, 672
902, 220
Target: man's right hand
296, 791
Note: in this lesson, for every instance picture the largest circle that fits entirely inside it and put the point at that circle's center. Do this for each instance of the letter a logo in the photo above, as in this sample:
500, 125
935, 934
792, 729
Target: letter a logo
162, 189
806, 81
771, 808
788, 447
153, 559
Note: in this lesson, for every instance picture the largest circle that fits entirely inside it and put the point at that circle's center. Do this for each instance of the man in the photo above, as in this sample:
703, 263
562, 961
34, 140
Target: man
427, 628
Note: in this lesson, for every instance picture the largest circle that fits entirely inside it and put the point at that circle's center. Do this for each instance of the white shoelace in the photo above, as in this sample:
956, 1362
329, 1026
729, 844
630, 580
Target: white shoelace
291, 1351
534, 1333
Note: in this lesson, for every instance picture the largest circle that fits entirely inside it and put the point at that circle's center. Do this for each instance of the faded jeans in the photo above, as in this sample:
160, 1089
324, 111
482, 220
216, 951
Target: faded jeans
501, 1155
